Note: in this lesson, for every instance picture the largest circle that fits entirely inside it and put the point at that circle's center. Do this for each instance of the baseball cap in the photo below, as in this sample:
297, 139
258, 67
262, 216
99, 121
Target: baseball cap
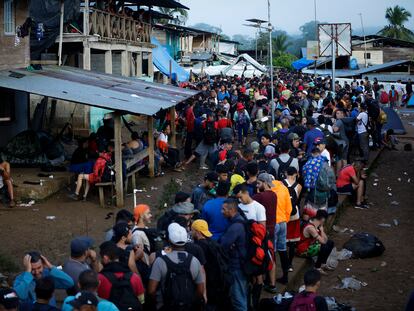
201, 226
266, 178
84, 298
9, 298
305, 92
293, 136
319, 140
211, 176
184, 208
79, 245
177, 234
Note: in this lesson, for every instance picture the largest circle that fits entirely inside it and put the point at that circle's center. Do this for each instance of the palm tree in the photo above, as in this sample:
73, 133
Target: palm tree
396, 17
280, 44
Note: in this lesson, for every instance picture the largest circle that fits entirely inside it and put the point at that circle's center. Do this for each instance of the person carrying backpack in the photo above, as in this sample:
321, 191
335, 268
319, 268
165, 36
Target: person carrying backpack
308, 300
116, 282
218, 276
177, 281
242, 120
279, 165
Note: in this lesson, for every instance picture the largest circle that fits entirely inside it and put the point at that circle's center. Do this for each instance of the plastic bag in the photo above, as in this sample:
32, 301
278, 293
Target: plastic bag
364, 245
335, 256
350, 283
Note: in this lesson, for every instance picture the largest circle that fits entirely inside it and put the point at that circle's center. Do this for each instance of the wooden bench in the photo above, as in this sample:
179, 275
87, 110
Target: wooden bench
132, 174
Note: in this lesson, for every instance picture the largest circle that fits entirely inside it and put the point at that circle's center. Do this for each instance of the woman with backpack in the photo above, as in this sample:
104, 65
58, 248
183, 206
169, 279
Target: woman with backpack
242, 120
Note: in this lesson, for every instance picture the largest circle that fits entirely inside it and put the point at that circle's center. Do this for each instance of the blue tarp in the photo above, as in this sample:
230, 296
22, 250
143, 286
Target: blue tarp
301, 63
410, 102
161, 60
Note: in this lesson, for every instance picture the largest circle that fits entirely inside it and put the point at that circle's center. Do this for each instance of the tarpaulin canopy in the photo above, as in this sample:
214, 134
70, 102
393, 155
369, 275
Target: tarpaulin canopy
393, 122
112, 92
242, 61
302, 63
162, 59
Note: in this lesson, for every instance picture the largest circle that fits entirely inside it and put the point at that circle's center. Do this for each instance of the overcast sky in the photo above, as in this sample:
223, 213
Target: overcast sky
289, 15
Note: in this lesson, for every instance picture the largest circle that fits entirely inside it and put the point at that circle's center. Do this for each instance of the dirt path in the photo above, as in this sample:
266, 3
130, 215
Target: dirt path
390, 277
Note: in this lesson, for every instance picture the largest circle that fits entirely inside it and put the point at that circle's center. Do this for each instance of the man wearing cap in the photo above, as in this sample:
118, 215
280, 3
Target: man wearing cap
177, 235
320, 143
202, 192
8, 300
362, 130
82, 257
311, 135
242, 120
84, 299
303, 100
233, 241
88, 284
37, 266
113, 271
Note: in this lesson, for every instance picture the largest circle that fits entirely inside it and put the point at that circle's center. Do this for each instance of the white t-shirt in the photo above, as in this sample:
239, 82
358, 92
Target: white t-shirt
325, 153
254, 211
362, 122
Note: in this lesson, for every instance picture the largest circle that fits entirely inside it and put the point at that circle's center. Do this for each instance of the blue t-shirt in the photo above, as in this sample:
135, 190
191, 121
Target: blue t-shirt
310, 137
103, 305
211, 213
221, 95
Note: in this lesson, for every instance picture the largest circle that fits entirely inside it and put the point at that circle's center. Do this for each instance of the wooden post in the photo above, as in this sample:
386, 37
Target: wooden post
125, 63
173, 130
108, 62
86, 66
139, 65
151, 146
119, 185
86, 18
62, 12
150, 65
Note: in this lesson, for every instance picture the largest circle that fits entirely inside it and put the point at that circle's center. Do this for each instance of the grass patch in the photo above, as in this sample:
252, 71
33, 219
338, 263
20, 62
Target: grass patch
7, 264
168, 194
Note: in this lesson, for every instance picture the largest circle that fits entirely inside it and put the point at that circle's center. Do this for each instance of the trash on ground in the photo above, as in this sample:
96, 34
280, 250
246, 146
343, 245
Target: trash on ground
375, 184
350, 283
340, 230
374, 174
376, 179
50, 217
28, 204
395, 203
399, 179
385, 225
383, 264
409, 180
35, 210
390, 194
395, 221
348, 269
405, 173
154, 188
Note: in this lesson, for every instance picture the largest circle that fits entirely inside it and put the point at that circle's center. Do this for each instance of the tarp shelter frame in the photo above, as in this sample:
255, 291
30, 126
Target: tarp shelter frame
123, 95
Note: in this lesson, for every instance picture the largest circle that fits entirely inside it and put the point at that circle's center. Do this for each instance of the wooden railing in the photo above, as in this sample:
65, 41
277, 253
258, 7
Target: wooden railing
112, 26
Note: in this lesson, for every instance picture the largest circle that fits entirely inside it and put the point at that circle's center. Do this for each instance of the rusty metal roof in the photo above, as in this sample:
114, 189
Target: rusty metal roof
96, 89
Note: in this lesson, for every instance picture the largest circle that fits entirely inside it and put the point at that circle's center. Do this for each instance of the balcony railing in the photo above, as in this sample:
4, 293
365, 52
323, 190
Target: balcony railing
112, 26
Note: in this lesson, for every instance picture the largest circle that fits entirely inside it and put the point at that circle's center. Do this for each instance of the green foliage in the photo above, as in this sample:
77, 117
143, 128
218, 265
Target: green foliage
280, 44
168, 194
284, 60
396, 17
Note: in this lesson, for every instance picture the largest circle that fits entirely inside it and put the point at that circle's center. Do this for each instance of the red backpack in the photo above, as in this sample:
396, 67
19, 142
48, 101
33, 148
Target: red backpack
384, 99
303, 302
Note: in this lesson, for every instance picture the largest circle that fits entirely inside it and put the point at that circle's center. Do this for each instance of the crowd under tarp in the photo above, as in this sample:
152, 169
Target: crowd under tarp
162, 60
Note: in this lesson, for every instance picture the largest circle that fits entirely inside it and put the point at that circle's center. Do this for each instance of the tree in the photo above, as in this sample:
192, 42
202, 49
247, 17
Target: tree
246, 42
308, 31
284, 60
396, 17
280, 44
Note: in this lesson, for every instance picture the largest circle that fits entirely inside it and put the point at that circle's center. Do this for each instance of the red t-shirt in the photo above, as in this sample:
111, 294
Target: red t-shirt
104, 289
223, 123
269, 200
190, 118
345, 176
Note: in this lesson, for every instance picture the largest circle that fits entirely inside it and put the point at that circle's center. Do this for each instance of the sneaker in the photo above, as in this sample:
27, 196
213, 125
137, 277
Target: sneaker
270, 288
361, 206
290, 269
204, 167
73, 196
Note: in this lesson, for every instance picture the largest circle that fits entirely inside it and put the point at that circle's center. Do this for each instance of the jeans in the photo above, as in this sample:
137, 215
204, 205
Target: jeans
238, 290
280, 236
243, 130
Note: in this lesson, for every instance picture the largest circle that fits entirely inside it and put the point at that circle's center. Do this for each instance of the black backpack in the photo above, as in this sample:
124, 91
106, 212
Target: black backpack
108, 173
293, 196
155, 237
122, 294
219, 277
283, 166
210, 133
179, 289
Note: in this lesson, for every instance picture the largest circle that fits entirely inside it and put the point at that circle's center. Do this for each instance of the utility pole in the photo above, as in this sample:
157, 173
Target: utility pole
271, 66
365, 41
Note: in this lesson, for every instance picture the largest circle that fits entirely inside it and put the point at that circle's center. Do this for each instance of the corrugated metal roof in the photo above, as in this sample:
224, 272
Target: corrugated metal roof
96, 89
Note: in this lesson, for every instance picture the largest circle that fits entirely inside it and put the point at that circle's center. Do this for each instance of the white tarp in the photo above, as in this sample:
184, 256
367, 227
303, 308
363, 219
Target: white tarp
227, 48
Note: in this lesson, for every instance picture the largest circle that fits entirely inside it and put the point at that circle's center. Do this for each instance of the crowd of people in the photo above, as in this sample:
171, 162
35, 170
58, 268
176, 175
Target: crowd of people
268, 190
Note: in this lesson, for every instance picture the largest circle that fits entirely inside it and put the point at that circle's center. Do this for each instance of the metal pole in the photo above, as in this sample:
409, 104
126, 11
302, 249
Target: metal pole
62, 12
271, 66
316, 36
365, 41
333, 62
256, 42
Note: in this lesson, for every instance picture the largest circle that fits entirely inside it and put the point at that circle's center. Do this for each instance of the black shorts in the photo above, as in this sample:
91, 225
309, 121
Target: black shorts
345, 189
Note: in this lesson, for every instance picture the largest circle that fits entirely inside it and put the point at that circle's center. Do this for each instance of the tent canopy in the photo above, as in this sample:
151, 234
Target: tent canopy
302, 63
96, 89
161, 59
393, 122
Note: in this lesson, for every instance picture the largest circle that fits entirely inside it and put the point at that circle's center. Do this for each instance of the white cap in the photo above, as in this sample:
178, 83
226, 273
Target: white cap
304, 92
177, 234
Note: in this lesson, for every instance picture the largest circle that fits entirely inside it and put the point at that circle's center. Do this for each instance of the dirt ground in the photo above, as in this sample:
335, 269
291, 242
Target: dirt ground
390, 277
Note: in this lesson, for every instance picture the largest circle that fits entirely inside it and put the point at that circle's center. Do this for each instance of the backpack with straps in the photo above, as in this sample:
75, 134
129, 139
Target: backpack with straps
210, 133
384, 99
303, 302
155, 238
293, 196
259, 248
283, 166
179, 290
122, 295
